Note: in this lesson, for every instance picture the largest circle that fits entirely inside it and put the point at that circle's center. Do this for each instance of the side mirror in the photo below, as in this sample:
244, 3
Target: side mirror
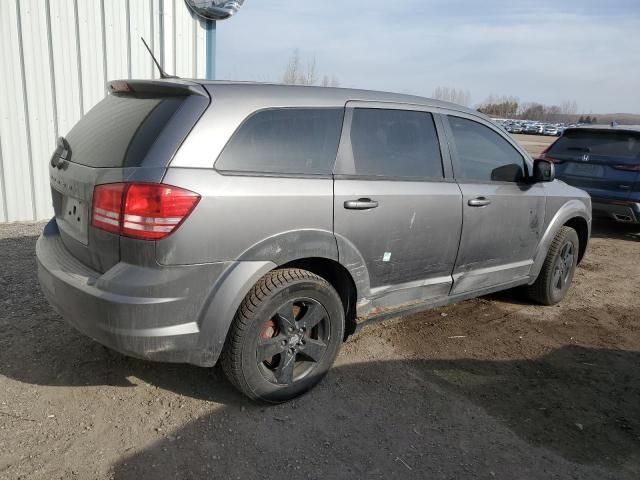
543, 171
507, 173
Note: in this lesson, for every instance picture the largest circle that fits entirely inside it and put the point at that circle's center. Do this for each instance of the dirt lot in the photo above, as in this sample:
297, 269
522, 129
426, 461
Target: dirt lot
490, 388
534, 144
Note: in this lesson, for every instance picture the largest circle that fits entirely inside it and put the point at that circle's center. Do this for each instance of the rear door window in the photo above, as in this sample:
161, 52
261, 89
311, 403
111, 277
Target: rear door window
575, 144
285, 141
482, 154
394, 143
120, 130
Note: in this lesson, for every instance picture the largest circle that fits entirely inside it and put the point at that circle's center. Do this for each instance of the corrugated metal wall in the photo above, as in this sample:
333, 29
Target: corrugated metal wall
55, 58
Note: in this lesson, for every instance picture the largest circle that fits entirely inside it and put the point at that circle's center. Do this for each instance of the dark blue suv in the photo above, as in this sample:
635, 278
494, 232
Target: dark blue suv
604, 161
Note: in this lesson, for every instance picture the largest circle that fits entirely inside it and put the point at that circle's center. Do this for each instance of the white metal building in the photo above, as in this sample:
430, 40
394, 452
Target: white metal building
55, 58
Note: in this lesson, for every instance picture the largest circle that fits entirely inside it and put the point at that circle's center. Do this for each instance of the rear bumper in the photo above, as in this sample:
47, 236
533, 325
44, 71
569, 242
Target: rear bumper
149, 312
620, 211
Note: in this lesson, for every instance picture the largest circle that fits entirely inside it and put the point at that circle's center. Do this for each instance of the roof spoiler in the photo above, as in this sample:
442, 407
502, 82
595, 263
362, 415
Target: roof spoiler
166, 88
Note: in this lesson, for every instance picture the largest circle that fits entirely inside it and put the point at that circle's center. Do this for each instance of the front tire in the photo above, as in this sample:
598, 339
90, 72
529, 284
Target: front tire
285, 336
558, 269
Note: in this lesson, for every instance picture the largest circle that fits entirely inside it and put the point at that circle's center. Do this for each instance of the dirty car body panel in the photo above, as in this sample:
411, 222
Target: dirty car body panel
374, 186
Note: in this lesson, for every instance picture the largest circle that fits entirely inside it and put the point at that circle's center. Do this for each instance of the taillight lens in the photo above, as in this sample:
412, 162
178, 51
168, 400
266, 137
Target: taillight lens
147, 211
153, 211
107, 207
544, 155
628, 168
551, 159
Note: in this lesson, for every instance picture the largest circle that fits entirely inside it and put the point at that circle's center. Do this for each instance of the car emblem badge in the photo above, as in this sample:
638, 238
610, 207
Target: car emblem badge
585, 157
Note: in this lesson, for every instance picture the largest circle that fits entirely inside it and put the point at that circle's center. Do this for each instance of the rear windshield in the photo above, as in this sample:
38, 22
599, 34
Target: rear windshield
617, 145
120, 130
286, 140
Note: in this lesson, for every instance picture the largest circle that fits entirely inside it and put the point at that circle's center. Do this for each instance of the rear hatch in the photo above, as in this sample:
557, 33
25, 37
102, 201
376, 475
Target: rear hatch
604, 162
131, 135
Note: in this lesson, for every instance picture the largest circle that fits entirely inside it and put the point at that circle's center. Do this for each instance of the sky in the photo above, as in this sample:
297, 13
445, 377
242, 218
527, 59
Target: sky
545, 51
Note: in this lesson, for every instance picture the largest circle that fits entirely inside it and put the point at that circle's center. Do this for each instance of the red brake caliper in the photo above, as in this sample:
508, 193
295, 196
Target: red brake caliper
269, 330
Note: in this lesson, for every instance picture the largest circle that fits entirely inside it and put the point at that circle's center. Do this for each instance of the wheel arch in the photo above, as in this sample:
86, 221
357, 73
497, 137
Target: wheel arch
580, 225
330, 256
340, 279
225, 298
573, 214
233, 285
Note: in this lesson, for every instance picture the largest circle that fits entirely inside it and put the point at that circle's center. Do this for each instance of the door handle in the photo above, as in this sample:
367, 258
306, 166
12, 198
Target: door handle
360, 204
479, 202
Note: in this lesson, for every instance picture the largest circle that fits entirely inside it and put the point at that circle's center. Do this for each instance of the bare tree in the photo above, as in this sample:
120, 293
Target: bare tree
553, 113
565, 112
532, 111
569, 107
292, 72
459, 96
310, 75
500, 106
463, 97
297, 74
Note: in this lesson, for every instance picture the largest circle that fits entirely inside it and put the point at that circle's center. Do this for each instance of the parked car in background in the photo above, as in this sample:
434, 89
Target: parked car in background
534, 129
514, 128
550, 130
605, 162
263, 227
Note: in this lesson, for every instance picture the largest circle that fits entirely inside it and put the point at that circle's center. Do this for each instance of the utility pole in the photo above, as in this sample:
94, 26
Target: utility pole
210, 27
210, 11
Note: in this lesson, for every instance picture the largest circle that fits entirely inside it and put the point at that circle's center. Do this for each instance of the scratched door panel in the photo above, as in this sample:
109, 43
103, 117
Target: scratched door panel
411, 235
396, 211
498, 241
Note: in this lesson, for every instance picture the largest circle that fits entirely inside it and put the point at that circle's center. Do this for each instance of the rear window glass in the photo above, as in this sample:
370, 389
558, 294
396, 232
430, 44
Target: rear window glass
119, 131
396, 143
288, 140
606, 144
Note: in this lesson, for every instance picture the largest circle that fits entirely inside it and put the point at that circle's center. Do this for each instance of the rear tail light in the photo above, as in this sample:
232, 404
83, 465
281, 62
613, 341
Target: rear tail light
107, 207
628, 168
120, 86
147, 211
545, 154
551, 159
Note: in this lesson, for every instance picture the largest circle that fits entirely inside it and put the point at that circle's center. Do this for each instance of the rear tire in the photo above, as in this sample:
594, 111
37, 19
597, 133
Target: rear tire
558, 269
285, 336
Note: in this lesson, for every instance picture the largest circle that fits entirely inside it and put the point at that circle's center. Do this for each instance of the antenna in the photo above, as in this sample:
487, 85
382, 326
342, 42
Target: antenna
163, 74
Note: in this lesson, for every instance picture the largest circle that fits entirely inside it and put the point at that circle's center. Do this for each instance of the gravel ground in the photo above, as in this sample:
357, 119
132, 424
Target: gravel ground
491, 388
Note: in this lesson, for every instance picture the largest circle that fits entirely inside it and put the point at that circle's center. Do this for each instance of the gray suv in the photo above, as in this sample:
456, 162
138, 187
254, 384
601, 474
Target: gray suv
262, 224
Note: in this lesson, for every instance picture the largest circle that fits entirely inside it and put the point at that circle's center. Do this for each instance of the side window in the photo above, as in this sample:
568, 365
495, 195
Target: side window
398, 143
483, 154
285, 140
